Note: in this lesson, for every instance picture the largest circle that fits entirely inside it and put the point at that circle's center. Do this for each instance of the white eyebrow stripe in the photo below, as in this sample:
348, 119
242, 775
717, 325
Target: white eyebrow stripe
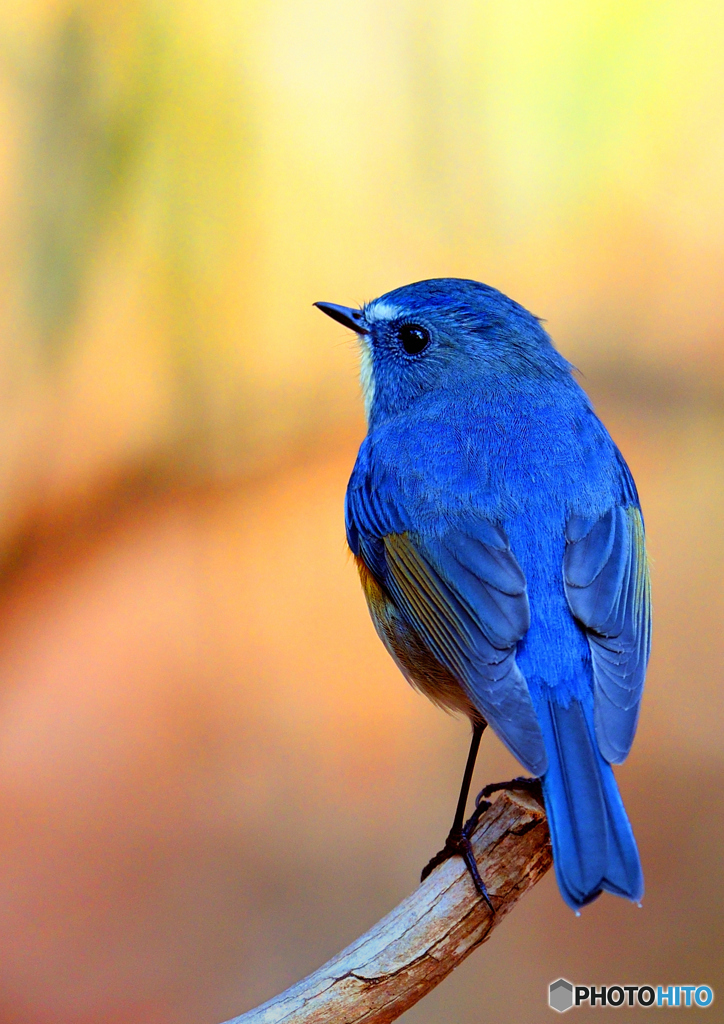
381, 311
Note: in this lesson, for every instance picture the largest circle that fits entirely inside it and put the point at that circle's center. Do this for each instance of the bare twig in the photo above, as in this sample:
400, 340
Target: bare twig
421, 941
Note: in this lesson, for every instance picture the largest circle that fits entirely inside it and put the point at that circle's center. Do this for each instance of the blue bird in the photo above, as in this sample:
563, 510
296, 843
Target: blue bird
499, 539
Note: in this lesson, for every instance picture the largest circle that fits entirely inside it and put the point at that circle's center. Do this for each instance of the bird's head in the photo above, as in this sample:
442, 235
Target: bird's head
445, 334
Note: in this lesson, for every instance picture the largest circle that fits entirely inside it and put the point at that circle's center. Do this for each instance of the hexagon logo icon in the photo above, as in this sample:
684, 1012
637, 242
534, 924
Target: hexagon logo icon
560, 995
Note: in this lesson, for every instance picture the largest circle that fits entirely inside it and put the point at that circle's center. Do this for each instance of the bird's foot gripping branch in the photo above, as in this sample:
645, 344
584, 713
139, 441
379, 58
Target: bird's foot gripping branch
458, 844
521, 784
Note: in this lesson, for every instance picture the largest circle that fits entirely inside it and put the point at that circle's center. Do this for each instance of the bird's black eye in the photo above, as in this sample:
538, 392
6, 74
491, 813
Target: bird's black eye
414, 338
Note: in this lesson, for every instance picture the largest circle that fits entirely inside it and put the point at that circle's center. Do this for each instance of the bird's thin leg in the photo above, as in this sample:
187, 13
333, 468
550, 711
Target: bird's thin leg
458, 840
478, 730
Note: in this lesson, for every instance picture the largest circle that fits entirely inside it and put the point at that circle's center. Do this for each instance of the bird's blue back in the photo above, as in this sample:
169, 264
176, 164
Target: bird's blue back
484, 460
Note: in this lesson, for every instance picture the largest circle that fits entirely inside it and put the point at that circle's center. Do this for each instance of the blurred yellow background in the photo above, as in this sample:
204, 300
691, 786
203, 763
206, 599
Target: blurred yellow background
212, 777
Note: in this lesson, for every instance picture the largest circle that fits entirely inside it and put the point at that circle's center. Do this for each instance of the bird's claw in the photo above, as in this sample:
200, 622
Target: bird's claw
458, 844
523, 782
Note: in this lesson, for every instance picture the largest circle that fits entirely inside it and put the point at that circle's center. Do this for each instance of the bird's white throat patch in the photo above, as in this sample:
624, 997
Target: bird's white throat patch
374, 313
366, 374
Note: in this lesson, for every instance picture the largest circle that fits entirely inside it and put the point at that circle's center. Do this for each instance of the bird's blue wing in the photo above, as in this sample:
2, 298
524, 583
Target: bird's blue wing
465, 596
607, 585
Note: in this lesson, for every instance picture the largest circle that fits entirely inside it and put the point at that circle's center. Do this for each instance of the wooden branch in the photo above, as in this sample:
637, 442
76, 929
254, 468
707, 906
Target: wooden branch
421, 941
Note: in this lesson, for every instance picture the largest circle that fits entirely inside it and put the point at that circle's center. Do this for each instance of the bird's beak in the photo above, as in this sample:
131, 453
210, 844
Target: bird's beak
344, 315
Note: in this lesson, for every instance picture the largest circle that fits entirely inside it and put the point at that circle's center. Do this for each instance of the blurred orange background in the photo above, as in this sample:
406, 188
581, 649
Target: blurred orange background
212, 777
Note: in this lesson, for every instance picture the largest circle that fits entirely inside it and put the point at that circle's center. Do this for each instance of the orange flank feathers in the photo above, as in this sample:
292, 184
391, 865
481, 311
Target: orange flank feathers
414, 659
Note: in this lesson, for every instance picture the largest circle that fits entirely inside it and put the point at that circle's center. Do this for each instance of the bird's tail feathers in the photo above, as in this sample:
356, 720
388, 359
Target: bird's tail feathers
593, 845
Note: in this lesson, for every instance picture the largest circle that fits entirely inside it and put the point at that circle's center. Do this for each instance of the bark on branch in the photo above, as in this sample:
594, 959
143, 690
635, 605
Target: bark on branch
421, 941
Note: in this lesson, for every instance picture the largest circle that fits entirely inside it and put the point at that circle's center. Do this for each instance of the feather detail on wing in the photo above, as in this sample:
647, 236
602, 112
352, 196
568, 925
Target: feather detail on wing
413, 657
465, 596
606, 578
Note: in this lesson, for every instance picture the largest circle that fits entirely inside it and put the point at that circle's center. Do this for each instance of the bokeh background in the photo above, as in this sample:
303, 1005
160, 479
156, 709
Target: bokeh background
212, 777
